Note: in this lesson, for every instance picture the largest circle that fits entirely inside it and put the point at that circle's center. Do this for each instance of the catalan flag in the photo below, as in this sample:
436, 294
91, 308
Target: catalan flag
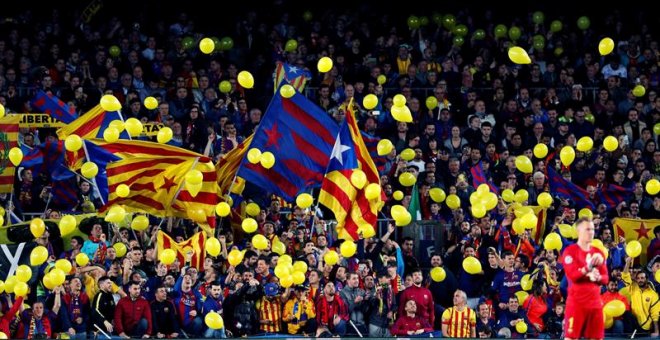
353, 211
293, 75
635, 229
8, 140
53, 106
194, 244
228, 165
155, 174
91, 124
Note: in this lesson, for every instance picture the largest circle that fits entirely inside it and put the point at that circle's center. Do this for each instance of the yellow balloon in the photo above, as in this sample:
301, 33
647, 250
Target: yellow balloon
2, 114
381, 79
58, 275
194, 176
304, 200
567, 155
540, 150
517, 227
519, 55
120, 249
267, 160
168, 256
111, 134
585, 144
384, 147
252, 209
522, 296
278, 247
245, 79
150, 103
437, 195
206, 45
521, 327
639, 91
123, 190
331, 258
490, 201
521, 196
67, 225
614, 308
10, 283
471, 265
64, 265
367, 231
285, 259
15, 155
324, 65
408, 154
358, 179
82, 259
401, 114
508, 195
372, 191
653, 186
37, 227
2, 334
633, 248
529, 221
298, 278
526, 282
397, 211
48, 282
403, 220
249, 225
117, 124
21, 289
89, 169
407, 179
586, 213
610, 143
524, 164
431, 102
133, 127
657, 276
370, 101
608, 322
286, 281
552, 241
164, 135
565, 230
438, 274
606, 46
348, 249
260, 241
222, 209
110, 103
282, 270
212, 246
23, 273
397, 195
453, 202
235, 257
116, 214
254, 155
544, 200
287, 91
197, 214
140, 223
73, 143
214, 321
399, 100
300, 266
478, 210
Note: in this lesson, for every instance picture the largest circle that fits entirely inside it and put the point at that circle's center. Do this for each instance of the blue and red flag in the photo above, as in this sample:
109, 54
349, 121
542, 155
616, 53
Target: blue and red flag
300, 135
563, 188
479, 177
55, 107
614, 194
372, 145
48, 158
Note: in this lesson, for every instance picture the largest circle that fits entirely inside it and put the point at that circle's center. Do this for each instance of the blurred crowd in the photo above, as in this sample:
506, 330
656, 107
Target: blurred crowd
489, 111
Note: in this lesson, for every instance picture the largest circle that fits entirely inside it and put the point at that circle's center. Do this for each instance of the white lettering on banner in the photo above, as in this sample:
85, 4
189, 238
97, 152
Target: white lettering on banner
13, 260
430, 250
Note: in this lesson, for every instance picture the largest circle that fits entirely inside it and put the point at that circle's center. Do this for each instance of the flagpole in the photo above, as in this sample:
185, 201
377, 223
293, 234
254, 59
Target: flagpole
93, 180
123, 121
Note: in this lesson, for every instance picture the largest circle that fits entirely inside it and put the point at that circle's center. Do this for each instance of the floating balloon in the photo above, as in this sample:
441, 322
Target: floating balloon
381, 79
168, 256
267, 160
438, 274
298, 278
538, 17
114, 51
524, 164
567, 155
514, 33
397, 195
519, 55
555, 26
401, 114
384, 147
38, 256
235, 257
348, 249
583, 23
324, 65
639, 91
370, 101
222, 209
479, 34
544, 200
249, 225
111, 134
300, 266
150, 103
372, 191
552, 241
133, 127
278, 247
508, 195
164, 135
500, 31
408, 154
585, 213
287, 91
140, 223
526, 282
521, 196
260, 242
633, 248
437, 195
291, 45
20, 289
252, 209
304, 200
413, 22
614, 308
206, 45
64, 265
82, 259
431, 102
89, 169
585, 144
331, 258
471, 265
407, 179
521, 327
110, 103
23, 273
37, 227
245, 79
116, 214
73, 143
610, 143
286, 281
120, 249
15, 156
358, 179
606, 46
653, 186
123, 190
67, 225
225, 86
453, 202
404, 219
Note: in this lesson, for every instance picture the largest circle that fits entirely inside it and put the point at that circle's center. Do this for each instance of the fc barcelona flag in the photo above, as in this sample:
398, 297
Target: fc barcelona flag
194, 245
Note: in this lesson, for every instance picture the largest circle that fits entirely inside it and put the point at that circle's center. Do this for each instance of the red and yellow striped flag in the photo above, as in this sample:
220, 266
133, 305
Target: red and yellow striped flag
8, 140
194, 244
155, 174
228, 165
353, 211
91, 124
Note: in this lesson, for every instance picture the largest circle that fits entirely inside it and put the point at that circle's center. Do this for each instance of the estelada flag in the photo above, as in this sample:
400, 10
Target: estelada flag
640, 230
8, 140
194, 244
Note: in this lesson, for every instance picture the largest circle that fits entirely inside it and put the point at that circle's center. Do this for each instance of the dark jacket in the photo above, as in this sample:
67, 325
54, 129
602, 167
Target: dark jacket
103, 309
163, 318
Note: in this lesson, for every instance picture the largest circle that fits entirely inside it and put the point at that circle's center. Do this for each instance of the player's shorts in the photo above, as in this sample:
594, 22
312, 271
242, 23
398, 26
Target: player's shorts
582, 322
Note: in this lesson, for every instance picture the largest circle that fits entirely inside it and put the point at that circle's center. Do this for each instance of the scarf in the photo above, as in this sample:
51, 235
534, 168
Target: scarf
99, 256
403, 65
388, 300
45, 327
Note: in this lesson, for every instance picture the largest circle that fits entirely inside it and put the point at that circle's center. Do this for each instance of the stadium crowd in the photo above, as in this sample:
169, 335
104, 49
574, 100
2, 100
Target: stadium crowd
489, 111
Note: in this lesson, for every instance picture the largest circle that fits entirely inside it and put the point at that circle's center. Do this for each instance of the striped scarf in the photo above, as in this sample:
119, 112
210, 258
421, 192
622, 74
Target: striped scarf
384, 294
45, 326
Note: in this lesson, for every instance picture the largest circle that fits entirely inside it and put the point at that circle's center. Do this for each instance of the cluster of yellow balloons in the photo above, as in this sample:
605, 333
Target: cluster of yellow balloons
290, 273
55, 277
401, 112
